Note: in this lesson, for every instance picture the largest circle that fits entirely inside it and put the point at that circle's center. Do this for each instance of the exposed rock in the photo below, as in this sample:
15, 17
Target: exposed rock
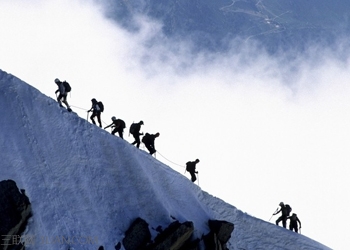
177, 236
191, 245
222, 229
173, 237
15, 209
137, 236
220, 233
211, 242
118, 246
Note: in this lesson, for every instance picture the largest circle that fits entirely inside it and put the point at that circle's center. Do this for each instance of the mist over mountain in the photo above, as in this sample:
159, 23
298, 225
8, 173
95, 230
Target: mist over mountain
279, 25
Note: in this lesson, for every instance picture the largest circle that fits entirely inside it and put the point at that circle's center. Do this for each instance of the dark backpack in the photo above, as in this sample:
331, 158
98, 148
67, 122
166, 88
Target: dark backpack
100, 104
146, 138
67, 87
190, 166
132, 128
288, 209
122, 123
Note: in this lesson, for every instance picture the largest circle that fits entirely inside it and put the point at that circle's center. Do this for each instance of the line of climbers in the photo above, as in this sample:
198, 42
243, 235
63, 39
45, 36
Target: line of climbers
118, 125
285, 210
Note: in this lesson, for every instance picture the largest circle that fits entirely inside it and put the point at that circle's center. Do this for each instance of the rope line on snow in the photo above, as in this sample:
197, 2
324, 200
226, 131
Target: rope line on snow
157, 150
170, 160
78, 107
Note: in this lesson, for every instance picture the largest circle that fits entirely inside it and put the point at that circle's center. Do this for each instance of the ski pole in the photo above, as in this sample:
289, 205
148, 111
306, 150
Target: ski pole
273, 214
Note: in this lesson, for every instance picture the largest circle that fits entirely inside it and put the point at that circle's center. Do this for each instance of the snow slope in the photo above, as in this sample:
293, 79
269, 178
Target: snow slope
85, 183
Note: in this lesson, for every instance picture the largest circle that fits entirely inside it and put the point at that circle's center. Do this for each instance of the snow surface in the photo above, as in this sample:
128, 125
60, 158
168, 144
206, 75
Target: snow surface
87, 186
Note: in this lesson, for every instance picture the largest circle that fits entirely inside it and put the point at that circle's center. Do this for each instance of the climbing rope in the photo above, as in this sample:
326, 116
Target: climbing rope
78, 107
170, 160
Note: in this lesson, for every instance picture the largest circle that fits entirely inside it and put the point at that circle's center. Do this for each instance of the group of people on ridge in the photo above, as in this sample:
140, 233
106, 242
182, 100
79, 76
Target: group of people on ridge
118, 126
285, 210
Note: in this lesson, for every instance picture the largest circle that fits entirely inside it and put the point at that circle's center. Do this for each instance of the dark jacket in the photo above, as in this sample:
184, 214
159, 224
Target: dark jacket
294, 220
137, 128
117, 124
149, 138
285, 209
95, 107
191, 166
61, 89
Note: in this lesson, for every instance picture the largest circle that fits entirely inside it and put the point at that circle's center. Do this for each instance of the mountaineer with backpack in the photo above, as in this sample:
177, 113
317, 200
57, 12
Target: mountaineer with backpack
148, 140
191, 168
96, 108
63, 89
135, 131
285, 211
293, 223
118, 125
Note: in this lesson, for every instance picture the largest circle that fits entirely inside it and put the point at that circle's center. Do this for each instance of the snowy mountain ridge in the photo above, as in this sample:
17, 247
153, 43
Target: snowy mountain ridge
82, 181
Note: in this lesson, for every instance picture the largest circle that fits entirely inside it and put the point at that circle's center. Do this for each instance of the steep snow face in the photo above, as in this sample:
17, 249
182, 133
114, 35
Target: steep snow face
86, 184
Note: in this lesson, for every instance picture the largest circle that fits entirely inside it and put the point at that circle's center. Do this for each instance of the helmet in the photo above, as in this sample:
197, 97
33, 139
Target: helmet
57, 80
141, 122
281, 204
113, 118
93, 100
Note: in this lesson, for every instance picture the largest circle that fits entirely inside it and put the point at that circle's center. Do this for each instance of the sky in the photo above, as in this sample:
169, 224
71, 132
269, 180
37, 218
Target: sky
85, 194
265, 129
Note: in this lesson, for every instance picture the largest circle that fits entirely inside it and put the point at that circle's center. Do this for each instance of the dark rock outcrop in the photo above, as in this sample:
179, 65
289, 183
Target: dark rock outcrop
222, 229
220, 233
137, 236
177, 236
15, 210
174, 236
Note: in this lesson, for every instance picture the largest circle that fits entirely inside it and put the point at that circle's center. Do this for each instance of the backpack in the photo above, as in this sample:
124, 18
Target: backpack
288, 209
67, 87
132, 128
146, 138
122, 123
190, 166
100, 104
